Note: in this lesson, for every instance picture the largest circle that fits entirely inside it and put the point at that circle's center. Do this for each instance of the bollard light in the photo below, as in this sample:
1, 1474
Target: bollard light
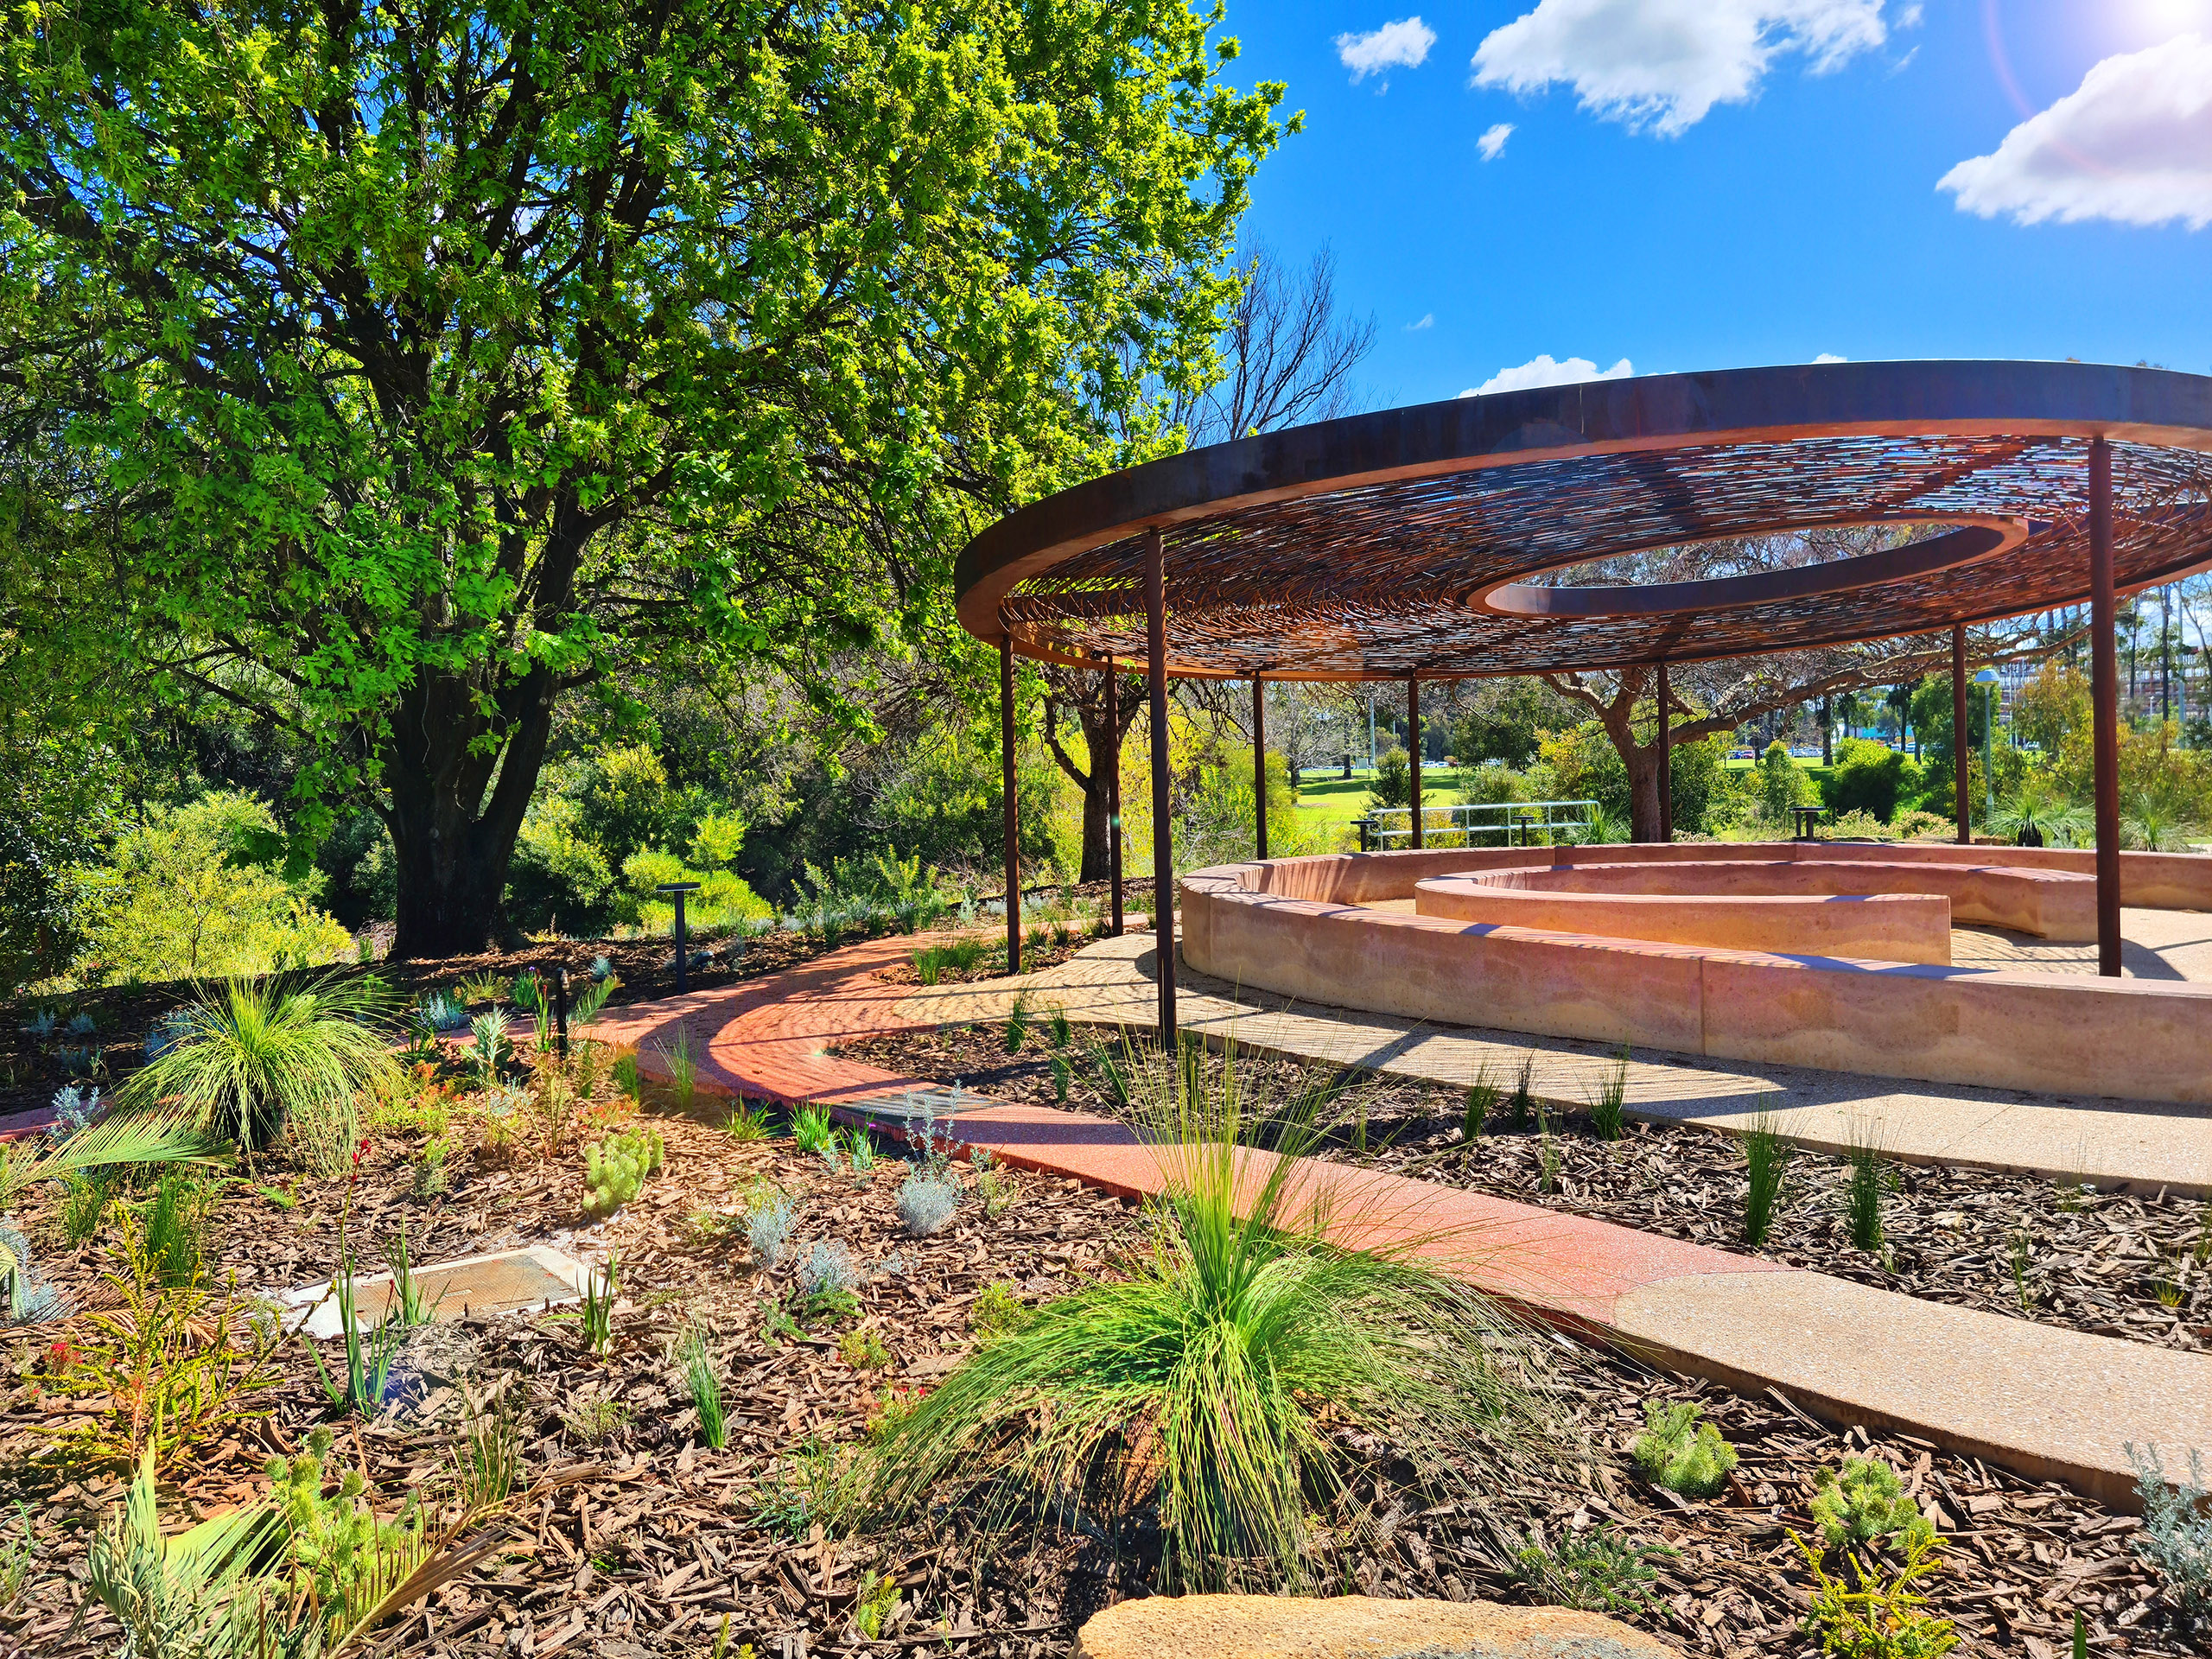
675, 890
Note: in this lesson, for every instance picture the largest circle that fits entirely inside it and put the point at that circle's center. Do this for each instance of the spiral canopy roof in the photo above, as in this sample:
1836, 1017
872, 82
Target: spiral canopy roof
1416, 540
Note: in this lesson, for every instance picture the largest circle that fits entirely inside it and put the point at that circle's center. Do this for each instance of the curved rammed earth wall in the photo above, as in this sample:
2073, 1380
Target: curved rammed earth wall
1299, 927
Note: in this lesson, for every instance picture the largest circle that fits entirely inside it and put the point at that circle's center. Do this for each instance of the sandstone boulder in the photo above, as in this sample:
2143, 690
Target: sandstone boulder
1354, 1627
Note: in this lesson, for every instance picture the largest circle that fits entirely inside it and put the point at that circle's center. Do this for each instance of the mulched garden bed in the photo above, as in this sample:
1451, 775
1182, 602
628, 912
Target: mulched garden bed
651, 1538
32, 1068
2117, 1264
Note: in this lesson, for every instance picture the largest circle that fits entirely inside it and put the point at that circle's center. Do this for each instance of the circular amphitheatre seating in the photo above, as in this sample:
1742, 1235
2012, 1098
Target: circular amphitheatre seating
1752, 952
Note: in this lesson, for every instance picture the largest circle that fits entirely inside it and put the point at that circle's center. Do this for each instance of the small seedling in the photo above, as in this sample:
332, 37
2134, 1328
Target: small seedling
616, 1170
1061, 1078
595, 1314
1882, 1619
878, 1604
705, 1386
1548, 1154
1521, 1108
1865, 1502
1112, 1074
598, 1420
1681, 1453
1862, 1202
1595, 1571
811, 1130
1017, 1023
860, 1150
998, 1312
408, 1306
1609, 1106
1482, 1101
2023, 1256
863, 1351
1062, 1033
1766, 1157
994, 1188
747, 1123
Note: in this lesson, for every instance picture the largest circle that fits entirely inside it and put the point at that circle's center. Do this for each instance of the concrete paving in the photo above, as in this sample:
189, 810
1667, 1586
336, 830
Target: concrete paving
2050, 1403
2115, 1144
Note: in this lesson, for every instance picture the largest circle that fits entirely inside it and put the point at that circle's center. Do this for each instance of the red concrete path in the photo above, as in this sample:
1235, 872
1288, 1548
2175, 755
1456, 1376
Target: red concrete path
767, 1039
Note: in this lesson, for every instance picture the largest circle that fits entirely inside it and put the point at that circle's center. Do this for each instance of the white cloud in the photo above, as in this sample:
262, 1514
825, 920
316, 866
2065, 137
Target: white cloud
1427, 320
1662, 64
1492, 144
1541, 370
2132, 143
1400, 45
1830, 357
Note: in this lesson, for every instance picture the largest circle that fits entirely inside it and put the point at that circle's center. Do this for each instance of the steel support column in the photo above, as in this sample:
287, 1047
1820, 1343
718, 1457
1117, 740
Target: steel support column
1260, 763
1666, 757
1961, 746
2104, 693
1163, 829
1113, 763
1413, 750
1007, 812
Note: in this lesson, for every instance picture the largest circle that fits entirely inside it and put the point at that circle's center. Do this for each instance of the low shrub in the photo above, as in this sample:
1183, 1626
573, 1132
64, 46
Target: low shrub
927, 1202
1597, 1571
768, 1228
1678, 1451
828, 1267
863, 1351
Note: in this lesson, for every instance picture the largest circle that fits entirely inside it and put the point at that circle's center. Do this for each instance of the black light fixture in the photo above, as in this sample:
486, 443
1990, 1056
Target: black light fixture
675, 890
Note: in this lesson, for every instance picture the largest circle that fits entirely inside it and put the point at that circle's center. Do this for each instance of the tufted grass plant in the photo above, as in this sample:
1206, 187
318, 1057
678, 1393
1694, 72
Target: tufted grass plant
1224, 1389
256, 1055
1766, 1156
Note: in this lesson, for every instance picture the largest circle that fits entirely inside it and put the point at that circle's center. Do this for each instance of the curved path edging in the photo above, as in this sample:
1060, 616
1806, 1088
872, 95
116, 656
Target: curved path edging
2051, 1404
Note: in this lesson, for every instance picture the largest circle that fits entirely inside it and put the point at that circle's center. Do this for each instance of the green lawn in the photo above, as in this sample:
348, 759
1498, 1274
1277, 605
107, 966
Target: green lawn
1332, 800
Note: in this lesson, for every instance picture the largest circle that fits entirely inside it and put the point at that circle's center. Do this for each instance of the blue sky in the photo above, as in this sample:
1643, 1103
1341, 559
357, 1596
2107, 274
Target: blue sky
1624, 217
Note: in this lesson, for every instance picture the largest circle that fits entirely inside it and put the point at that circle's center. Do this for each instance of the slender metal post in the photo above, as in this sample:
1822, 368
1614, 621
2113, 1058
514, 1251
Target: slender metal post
1008, 816
1413, 750
1666, 758
2104, 695
1113, 763
1961, 744
1163, 829
560, 1010
682, 947
1260, 763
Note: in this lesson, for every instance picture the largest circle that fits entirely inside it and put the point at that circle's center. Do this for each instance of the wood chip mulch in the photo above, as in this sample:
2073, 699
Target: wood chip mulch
2132, 1265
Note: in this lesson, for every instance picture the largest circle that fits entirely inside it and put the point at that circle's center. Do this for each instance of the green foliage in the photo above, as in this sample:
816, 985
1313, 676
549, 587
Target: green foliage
18, 1548
811, 1130
1506, 720
1056, 1023
877, 1603
256, 1056
1882, 1617
1870, 778
2039, 813
161, 1370
1017, 1023
1394, 783
340, 1552
143, 1136
2177, 1536
616, 1170
197, 891
1865, 1502
1863, 1193
989, 238
863, 1351
1596, 1570
1680, 1452
997, 1312
52, 886
176, 1227
1238, 1354
1782, 784
598, 1420
1483, 1096
705, 1384
1521, 1105
1609, 1105
1766, 1156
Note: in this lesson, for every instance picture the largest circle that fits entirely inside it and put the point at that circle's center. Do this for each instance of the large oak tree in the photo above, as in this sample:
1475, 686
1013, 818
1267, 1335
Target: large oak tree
430, 359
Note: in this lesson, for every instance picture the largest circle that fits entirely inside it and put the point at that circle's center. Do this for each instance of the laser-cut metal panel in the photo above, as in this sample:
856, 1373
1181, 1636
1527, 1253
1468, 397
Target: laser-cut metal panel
1360, 548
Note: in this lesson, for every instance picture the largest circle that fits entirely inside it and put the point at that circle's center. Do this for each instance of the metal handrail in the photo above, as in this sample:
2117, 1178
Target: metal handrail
1516, 821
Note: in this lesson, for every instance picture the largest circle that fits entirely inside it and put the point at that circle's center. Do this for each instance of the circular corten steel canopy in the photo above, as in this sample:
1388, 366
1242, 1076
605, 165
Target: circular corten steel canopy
1402, 542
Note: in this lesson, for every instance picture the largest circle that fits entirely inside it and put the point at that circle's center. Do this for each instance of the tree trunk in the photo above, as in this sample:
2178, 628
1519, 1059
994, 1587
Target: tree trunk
1641, 761
451, 845
1085, 694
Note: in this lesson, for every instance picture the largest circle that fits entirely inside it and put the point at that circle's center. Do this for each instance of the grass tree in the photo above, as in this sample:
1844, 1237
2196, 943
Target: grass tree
255, 1055
1236, 1383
